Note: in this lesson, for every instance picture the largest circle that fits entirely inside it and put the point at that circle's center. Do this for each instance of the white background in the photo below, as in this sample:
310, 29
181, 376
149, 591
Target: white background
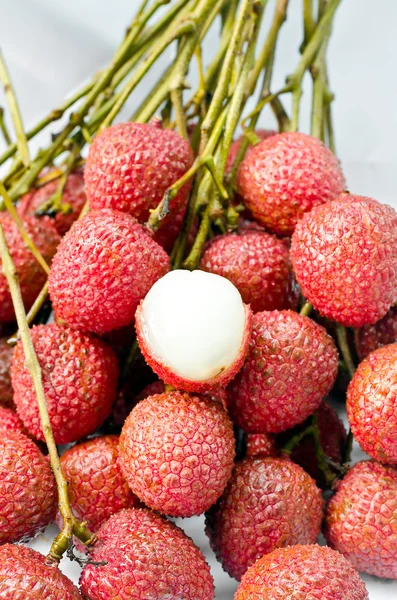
53, 45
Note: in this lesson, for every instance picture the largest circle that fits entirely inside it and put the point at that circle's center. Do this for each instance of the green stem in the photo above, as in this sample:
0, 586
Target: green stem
306, 309
319, 75
344, 348
180, 117
33, 312
309, 23
3, 127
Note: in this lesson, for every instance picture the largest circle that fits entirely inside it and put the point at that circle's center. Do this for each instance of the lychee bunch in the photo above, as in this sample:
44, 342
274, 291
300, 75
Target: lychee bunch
291, 365
176, 452
31, 275
146, 556
361, 518
6, 392
104, 266
302, 573
371, 404
28, 496
285, 176
79, 374
370, 337
345, 260
268, 503
258, 264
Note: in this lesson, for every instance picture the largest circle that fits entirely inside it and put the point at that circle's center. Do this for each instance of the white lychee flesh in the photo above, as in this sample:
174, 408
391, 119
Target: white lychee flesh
194, 322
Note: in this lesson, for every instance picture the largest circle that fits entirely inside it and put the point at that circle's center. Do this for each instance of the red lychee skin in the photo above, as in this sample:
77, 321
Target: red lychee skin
382, 333
371, 404
302, 573
30, 273
24, 575
104, 266
177, 452
79, 375
147, 557
158, 387
28, 495
345, 260
9, 421
73, 194
268, 503
263, 134
6, 391
285, 176
130, 166
97, 488
261, 444
258, 264
209, 386
361, 518
291, 365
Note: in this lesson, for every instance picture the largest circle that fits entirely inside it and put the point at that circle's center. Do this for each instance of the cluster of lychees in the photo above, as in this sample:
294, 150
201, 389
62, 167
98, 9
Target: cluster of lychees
229, 349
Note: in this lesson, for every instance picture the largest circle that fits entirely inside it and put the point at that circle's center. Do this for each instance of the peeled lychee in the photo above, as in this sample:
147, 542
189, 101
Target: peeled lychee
31, 275
79, 375
302, 573
28, 495
268, 503
130, 166
261, 444
24, 575
6, 391
96, 486
263, 134
147, 557
291, 365
258, 264
372, 404
361, 518
176, 452
381, 333
73, 196
9, 421
285, 176
345, 259
104, 266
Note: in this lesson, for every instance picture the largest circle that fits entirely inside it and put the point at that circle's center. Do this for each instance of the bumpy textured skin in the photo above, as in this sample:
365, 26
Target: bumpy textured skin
97, 488
370, 337
6, 391
31, 276
302, 573
149, 558
268, 503
130, 166
371, 404
9, 421
158, 387
258, 264
361, 518
73, 194
287, 175
263, 134
291, 365
28, 496
209, 386
104, 266
80, 382
345, 260
261, 444
24, 575
177, 452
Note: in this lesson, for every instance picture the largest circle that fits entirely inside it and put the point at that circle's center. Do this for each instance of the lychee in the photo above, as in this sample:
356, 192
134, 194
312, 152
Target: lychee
268, 503
361, 518
261, 444
258, 264
31, 275
371, 404
79, 374
28, 495
96, 486
381, 333
73, 199
302, 573
146, 557
130, 166
285, 176
194, 330
263, 134
24, 575
345, 260
291, 365
104, 266
6, 391
176, 452
9, 421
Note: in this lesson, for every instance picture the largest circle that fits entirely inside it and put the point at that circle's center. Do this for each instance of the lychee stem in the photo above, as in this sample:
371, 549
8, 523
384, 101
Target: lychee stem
343, 343
306, 309
70, 524
3, 127
32, 314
